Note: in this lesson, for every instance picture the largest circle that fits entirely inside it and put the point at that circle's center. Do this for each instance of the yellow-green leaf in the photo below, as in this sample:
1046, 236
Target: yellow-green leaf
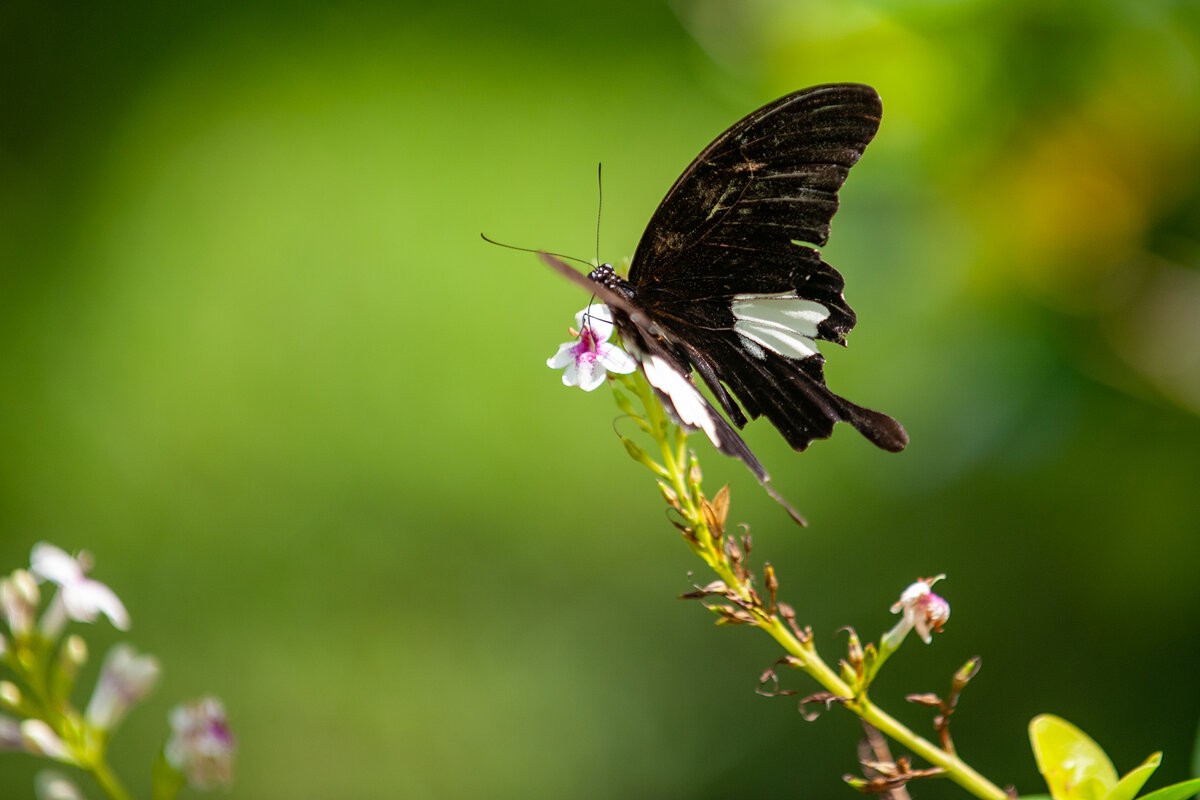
1133, 781
1176, 791
1074, 766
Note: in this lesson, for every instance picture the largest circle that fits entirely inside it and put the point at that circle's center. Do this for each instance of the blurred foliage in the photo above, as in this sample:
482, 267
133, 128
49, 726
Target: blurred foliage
254, 356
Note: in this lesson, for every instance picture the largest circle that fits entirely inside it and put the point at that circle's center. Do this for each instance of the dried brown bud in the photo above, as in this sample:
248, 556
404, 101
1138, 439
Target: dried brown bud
772, 584
716, 587
729, 615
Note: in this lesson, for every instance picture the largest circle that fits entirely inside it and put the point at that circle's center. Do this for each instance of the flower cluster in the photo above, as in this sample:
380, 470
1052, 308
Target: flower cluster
40, 665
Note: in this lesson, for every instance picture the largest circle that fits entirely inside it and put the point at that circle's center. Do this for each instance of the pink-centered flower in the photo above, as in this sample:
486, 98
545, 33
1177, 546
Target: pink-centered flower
922, 609
201, 746
586, 360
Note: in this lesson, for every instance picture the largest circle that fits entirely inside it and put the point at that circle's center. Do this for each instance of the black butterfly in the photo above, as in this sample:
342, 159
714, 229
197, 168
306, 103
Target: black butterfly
727, 279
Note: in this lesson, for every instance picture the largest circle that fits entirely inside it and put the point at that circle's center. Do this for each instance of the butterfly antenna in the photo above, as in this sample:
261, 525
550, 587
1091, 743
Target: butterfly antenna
599, 207
532, 250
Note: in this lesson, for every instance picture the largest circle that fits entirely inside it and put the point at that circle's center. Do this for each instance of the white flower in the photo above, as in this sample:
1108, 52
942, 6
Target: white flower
922, 609
124, 680
79, 597
201, 745
585, 360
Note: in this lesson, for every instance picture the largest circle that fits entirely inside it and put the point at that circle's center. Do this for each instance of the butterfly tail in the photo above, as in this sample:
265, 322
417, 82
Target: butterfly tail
880, 429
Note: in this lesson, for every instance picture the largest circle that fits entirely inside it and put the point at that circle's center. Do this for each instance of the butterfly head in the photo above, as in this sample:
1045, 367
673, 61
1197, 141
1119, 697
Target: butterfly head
607, 277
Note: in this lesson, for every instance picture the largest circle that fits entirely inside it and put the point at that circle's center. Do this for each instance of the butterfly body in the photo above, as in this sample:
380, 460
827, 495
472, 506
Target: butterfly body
728, 279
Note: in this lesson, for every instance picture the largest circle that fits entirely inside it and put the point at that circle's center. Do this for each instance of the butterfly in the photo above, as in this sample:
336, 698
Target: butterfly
728, 282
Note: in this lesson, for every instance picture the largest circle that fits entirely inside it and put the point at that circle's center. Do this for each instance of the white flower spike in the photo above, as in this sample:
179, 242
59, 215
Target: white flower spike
922, 609
585, 361
79, 597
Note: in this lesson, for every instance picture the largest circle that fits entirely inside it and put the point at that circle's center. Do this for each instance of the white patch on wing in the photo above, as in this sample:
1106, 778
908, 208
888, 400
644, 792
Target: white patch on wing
781, 322
689, 403
753, 349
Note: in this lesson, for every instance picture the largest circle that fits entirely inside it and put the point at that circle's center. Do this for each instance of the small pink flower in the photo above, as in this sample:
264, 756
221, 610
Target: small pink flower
201, 746
586, 359
922, 609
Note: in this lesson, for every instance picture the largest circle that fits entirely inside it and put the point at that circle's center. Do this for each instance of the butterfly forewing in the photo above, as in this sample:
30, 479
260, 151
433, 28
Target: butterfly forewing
772, 178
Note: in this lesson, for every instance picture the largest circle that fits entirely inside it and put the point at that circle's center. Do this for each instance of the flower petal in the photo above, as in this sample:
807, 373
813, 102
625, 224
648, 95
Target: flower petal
87, 597
571, 374
614, 359
598, 317
590, 374
563, 357
53, 564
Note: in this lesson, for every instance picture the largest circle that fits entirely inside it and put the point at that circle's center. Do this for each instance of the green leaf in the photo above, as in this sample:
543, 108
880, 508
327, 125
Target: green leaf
1036, 797
1135, 779
1176, 791
1074, 766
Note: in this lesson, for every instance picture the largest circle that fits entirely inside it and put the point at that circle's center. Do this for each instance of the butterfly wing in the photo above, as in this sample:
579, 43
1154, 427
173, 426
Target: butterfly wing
729, 272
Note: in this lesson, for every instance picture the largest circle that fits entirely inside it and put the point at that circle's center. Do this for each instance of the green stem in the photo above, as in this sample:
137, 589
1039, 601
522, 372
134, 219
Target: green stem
708, 548
957, 770
108, 781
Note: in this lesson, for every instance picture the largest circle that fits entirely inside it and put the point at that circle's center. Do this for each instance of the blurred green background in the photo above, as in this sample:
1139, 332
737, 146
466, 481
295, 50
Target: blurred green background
254, 356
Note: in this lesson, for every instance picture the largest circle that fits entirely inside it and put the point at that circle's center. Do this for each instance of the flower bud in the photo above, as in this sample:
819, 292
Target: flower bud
10, 734
19, 598
41, 740
73, 655
10, 696
124, 680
